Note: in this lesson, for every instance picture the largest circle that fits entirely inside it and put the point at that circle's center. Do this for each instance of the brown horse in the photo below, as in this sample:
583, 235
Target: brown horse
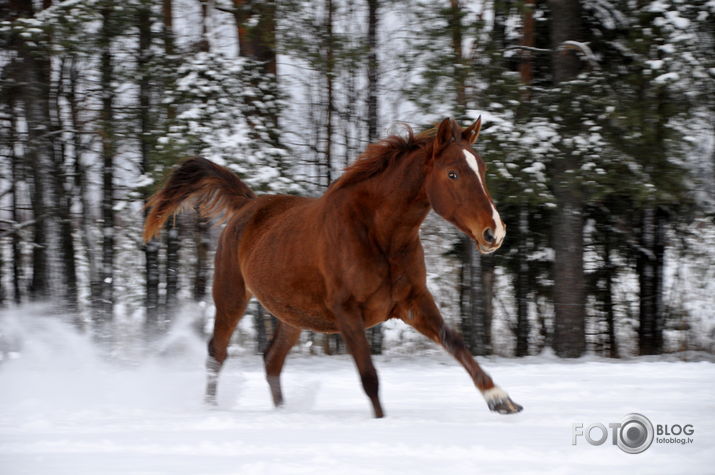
345, 261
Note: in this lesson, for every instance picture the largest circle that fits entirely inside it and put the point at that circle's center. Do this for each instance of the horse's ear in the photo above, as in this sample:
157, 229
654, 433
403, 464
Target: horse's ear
445, 133
471, 133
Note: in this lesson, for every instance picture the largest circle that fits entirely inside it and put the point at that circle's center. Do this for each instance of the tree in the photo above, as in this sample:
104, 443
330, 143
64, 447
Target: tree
375, 335
107, 33
645, 49
33, 71
146, 144
569, 290
62, 191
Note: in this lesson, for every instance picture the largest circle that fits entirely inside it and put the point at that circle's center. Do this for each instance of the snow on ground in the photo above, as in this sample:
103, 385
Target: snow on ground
66, 409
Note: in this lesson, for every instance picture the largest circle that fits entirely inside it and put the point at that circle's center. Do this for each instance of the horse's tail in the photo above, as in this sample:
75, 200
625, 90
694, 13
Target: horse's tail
215, 189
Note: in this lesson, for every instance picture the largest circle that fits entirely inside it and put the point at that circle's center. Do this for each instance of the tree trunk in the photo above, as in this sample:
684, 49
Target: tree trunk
523, 286
203, 43
173, 228
16, 176
81, 185
476, 301
256, 31
173, 245
30, 74
455, 26
257, 38
259, 323
167, 15
526, 66
63, 203
35, 96
567, 227
488, 276
650, 279
608, 297
569, 295
146, 143
3, 294
373, 71
501, 10
108, 151
472, 324
329, 86
565, 26
201, 240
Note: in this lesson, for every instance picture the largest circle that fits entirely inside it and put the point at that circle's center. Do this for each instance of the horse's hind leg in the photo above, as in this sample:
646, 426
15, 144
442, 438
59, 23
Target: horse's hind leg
274, 357
231, 298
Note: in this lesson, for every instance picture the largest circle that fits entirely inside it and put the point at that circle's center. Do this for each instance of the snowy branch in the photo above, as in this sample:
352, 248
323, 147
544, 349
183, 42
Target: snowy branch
583, 48
528, 48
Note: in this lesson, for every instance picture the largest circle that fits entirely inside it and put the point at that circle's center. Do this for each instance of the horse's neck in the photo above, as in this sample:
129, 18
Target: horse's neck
399, 201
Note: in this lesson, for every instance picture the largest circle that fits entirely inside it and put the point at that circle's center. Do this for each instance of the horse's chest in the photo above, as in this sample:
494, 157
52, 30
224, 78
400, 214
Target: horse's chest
392, 287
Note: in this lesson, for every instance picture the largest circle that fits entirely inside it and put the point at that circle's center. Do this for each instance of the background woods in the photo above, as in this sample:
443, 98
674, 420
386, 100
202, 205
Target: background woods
598, 133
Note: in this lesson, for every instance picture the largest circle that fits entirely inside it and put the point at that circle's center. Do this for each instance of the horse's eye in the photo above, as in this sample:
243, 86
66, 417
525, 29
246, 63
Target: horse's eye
452, 175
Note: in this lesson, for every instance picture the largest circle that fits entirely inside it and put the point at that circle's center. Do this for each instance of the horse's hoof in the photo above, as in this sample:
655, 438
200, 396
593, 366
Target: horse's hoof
499, 401
504, 406
210, 401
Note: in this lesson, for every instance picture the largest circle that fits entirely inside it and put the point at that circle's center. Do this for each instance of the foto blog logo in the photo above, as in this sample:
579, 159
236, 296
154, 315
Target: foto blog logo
634, 434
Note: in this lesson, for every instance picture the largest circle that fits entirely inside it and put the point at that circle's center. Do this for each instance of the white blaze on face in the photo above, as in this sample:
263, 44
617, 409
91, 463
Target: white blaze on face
499, 232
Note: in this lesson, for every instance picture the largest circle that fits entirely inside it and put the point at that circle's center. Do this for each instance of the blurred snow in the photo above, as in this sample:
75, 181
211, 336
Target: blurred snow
67, 407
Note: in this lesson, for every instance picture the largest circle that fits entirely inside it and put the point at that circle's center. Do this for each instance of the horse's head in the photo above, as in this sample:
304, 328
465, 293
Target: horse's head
457, 188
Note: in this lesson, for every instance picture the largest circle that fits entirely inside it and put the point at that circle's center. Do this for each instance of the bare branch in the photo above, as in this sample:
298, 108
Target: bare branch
232, 11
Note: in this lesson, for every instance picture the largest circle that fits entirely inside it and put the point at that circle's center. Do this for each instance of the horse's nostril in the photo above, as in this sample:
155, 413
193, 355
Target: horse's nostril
489, 235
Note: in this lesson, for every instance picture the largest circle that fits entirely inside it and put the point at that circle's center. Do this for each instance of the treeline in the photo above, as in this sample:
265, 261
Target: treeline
598, 134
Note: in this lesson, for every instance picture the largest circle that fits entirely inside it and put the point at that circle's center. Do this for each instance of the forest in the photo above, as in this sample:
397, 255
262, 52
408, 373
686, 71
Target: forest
598, 132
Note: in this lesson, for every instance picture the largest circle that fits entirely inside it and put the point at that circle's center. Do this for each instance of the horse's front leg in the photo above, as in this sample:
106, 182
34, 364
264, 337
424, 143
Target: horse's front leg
426, 318
352, 328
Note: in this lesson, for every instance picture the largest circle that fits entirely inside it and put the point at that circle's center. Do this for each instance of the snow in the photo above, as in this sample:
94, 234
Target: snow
678, 21
68, 408
666, 78
655, 63
657, 6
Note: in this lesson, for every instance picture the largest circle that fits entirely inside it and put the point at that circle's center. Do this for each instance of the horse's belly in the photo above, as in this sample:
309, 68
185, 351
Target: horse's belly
295, 297
280, 272
312, 318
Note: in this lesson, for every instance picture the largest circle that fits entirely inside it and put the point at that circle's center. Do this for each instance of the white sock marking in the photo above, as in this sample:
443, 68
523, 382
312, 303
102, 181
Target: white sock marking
495, 393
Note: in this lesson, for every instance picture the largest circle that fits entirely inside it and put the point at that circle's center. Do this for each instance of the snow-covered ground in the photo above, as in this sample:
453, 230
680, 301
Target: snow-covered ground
65, 409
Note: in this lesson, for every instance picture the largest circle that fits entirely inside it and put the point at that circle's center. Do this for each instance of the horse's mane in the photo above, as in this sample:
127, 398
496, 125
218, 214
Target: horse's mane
380, 155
